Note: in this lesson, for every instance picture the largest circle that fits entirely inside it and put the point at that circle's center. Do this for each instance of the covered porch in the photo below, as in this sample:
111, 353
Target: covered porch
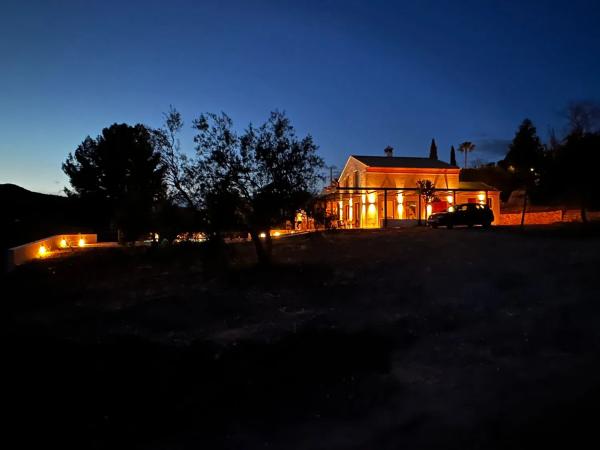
358, 207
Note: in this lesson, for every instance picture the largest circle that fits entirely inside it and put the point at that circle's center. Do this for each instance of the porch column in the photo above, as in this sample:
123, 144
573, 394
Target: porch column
419, 206
385, 208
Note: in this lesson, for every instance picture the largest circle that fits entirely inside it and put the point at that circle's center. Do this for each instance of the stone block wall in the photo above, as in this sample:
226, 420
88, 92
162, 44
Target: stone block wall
532, 218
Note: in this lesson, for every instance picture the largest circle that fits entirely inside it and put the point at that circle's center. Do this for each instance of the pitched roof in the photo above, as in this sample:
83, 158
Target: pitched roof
403, 161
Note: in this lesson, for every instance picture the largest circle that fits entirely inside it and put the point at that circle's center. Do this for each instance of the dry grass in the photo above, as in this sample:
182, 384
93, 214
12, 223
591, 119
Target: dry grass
412, 338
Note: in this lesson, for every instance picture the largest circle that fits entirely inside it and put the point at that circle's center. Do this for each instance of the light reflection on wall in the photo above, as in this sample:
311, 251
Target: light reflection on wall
400, 205
350, 211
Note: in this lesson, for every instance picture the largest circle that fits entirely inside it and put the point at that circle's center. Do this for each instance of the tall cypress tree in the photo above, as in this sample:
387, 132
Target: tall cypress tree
433, 150
452, 156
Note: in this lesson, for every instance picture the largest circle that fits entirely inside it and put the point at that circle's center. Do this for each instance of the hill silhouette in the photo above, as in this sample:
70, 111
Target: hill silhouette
26, 216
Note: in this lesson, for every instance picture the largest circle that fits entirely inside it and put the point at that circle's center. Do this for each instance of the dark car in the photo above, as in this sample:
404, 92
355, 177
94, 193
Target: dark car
466, 214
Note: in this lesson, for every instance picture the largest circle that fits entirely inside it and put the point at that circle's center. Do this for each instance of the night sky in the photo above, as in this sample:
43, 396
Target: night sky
356, 75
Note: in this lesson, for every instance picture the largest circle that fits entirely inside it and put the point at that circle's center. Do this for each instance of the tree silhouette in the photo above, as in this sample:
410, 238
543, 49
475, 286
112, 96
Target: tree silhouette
426, 190
526, 150
119, 173
466, 148
453, 156
256, 180
583, 116
523, 159
433, 154
177, 169
577, 161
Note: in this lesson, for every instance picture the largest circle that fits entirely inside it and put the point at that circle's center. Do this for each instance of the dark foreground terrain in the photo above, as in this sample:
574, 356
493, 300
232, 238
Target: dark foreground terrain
413, 338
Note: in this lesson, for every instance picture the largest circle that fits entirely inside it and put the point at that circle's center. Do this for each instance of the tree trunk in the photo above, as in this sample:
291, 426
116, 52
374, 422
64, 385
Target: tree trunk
524, 209
217, 252
584, 217
263, 247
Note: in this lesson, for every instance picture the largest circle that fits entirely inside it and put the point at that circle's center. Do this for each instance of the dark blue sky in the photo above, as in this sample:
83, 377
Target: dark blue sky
356, 75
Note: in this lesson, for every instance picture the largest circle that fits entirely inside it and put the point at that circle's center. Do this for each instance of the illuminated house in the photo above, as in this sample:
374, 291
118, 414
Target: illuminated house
380, 191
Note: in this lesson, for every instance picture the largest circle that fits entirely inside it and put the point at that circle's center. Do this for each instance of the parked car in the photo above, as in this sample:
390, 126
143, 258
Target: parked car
465, 214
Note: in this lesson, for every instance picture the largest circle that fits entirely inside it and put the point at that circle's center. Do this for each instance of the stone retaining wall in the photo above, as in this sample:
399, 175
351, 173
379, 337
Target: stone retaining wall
574, 215
27, 252
545, 217
532, 218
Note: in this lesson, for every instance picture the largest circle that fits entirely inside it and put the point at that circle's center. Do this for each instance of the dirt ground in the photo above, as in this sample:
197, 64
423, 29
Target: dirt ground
411, 338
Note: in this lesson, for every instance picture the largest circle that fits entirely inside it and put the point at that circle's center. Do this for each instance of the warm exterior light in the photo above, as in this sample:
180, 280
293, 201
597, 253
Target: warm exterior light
262, 235
63, 243
372, 197
481, 198
42, 251
451, 209
372, 211
277, 234
363, 198
81, 242
400, 199
341, 209
450, 199
428, 210
350, 212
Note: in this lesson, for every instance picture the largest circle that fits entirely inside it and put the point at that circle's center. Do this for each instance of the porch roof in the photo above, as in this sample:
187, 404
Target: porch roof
475, 186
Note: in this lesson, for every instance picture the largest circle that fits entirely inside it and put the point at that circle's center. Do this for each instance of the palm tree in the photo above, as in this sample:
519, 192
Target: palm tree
466, 147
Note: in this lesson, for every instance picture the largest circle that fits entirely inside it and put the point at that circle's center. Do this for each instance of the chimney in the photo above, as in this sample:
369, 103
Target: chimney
389, 151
